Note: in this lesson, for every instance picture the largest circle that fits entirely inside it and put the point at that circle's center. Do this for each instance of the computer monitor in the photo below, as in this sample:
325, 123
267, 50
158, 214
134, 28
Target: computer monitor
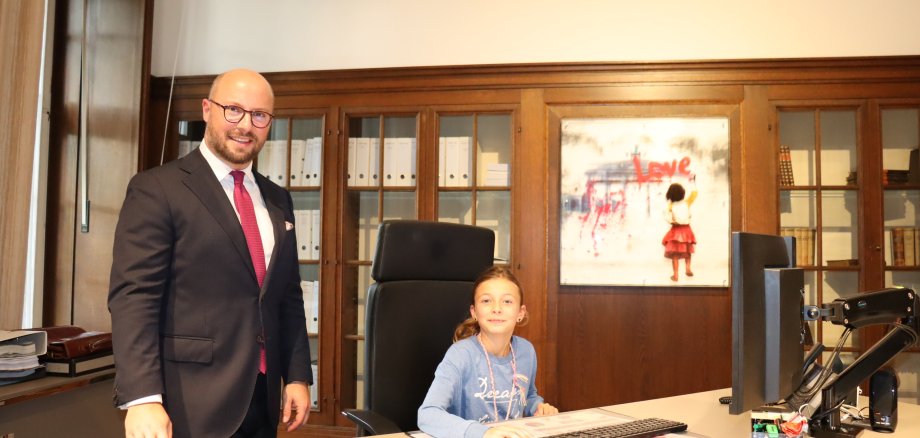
767, 323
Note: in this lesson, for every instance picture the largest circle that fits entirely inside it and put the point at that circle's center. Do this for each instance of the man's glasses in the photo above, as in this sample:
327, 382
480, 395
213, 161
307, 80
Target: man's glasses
233, 114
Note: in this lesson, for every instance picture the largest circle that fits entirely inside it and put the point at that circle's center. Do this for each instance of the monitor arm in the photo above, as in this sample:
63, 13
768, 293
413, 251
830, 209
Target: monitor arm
885, 306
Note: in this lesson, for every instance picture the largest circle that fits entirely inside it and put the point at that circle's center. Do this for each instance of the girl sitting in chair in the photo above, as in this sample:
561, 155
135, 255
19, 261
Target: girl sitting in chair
487, 375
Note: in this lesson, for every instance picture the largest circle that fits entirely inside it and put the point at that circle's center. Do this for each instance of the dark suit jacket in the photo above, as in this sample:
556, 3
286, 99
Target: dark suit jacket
186, 307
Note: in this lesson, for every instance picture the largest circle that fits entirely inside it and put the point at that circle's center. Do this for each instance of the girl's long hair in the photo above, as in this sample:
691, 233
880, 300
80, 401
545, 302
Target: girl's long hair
470, 326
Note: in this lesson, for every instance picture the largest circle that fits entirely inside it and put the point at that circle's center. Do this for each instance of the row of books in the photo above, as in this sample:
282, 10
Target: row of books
455, 161
785, 167
889, 177
905, 246
398, 162
311, 293
306, 165
314, 393
307, 162
307, 225
804, 244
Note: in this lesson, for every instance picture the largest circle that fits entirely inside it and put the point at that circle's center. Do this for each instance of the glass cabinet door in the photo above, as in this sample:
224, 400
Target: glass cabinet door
380, 185
819, 200
474, 173
191, 132
901, 189
292, 157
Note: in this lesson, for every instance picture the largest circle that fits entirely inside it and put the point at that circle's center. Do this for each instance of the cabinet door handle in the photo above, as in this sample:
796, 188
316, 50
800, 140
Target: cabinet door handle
82, 144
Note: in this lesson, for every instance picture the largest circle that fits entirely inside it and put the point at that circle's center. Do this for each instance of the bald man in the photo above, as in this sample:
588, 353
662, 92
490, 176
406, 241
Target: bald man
207, 312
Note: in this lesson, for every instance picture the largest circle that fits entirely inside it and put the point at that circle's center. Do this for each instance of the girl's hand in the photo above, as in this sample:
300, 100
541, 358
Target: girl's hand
506, 432
545, 409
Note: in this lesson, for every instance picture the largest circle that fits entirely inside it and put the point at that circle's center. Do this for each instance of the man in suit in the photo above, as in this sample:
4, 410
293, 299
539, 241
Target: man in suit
207, 310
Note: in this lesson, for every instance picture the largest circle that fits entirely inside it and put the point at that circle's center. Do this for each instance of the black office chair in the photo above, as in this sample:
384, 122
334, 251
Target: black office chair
424, 273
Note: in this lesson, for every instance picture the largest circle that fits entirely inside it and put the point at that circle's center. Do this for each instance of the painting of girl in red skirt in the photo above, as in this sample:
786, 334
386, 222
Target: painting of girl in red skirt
679, 242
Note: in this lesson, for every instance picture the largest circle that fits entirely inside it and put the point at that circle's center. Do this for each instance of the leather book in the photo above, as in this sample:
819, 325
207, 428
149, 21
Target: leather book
68, 342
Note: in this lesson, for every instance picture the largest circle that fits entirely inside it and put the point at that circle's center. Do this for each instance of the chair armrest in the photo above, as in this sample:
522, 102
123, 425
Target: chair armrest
371, 421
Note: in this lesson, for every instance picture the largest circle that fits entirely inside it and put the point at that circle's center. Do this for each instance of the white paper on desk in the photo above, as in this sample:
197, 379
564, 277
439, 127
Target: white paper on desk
571, 421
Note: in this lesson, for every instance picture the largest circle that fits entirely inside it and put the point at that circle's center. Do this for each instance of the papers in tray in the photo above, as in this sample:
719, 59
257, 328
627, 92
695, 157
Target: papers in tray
19, 351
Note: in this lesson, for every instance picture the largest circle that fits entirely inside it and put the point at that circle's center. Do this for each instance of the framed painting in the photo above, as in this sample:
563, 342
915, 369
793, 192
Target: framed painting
645, 201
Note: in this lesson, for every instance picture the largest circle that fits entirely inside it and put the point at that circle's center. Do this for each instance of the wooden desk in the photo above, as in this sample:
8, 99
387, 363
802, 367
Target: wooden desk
705, 416
61, 406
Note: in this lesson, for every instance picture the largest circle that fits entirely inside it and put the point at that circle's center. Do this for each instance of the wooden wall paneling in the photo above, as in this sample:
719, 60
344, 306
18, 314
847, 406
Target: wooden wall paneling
21, 31
637, 94
330, 266
871, 213
151, 152
529, 218
754, 172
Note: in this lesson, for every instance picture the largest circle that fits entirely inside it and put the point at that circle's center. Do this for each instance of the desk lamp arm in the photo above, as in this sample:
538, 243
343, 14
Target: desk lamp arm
879, 307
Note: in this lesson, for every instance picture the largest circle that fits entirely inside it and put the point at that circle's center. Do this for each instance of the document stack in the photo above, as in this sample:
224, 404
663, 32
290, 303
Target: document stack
497, 175
454, 159
19, 351
73, 351
398, 162
314, 393
311, 292
273, 161
306, 162
307, 231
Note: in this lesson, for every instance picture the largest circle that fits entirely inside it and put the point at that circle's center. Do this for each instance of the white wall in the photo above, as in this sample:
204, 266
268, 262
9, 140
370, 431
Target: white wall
295, 35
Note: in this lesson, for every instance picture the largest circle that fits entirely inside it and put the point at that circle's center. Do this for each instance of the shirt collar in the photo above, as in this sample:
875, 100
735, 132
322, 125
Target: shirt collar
220, 168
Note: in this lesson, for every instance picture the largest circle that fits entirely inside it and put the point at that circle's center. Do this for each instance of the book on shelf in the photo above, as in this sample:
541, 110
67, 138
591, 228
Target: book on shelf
913, 169
79, 366
905, 246
851, 178
910, 257
895, 177
804, 244
785, 167
843, 263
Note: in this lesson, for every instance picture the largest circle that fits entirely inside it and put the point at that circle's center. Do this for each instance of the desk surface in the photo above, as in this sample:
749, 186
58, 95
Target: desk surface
50, 385
705, 416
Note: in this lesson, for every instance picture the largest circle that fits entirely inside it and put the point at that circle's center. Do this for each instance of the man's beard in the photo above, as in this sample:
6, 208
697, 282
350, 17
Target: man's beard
218, 144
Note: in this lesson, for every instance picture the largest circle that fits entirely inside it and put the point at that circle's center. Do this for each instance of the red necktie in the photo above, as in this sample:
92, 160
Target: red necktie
244, 207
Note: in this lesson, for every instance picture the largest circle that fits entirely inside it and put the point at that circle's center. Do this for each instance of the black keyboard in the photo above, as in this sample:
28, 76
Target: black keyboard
646, 427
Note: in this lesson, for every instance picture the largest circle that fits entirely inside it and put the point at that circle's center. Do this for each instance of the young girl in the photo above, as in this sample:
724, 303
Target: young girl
679, 241
488, 374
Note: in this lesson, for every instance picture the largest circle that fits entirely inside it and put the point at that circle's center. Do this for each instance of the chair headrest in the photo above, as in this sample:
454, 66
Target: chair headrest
420, 250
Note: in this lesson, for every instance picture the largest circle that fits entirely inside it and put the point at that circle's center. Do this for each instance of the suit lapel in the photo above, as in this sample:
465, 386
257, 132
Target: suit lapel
202, 182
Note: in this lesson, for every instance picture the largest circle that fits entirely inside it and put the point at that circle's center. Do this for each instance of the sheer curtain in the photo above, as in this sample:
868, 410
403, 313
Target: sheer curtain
21, 44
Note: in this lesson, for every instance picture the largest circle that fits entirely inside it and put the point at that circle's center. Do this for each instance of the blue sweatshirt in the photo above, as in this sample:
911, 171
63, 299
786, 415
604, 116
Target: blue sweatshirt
460, 397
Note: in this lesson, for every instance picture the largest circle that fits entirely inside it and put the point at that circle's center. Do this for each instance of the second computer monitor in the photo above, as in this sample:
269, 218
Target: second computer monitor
767, 350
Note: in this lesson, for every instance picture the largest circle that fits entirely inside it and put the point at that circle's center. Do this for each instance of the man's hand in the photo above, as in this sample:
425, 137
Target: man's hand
148, 420
296, 398
545, 409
